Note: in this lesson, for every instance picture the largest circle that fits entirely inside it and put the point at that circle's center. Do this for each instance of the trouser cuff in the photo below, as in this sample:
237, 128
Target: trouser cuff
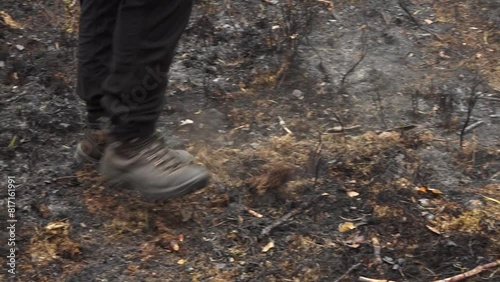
132, 130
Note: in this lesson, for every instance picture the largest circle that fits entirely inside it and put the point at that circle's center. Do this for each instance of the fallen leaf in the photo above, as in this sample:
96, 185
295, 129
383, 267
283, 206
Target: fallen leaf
346, 226
422, 189
435, 191
425, 189
352, 194
427, 21
175, 247
443, 55
433, 229
181, 238
9, 21
181, 261
186, 122
268, 246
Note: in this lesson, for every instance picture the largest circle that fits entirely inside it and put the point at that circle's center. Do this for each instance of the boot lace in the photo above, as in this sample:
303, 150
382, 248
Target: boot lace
161, 156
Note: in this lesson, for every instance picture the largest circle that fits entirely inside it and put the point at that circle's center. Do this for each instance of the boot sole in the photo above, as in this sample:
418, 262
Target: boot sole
159, 193
185, 188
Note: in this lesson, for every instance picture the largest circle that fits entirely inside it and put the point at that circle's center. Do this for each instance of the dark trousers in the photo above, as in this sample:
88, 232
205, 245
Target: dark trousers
125, 50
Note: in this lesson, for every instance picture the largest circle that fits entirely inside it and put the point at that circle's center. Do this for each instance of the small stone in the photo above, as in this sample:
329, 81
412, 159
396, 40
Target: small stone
298, 94
424, 202
189, 269
475, 204
401, 261
211, 70
20, 47
389, 260
220, 266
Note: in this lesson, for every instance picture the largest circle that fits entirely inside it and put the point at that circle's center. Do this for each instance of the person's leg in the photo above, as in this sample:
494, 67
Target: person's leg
145, 37
97, 24
144, 43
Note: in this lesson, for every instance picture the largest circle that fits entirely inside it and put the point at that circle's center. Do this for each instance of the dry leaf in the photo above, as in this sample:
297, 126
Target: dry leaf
268, 246
435, 191
346, 226
422, 189
433, 229
181, 261
425, 189
9, 21
352, 194
427, 21
443, 55
181, 238
186, 122
175, 247
254, 213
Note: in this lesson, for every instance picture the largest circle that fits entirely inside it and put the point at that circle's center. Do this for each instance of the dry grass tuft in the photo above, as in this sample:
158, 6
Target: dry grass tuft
51, 243
278, 158
275, 176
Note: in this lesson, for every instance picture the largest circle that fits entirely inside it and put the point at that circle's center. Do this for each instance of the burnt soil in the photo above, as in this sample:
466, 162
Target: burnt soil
345, 115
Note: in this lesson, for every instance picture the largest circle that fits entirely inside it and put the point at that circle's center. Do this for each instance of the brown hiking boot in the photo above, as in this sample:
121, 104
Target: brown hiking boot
148, 166
91, 148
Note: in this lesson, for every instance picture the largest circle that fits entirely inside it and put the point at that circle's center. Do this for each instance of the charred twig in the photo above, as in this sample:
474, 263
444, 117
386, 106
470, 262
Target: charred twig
380, 108
321, 66
364, 50
265, 232
471, 273
347, 272
490, 99
317, 157
412, 18
446, 108
472, 103
414, 102
294, 24
401, 128
361, 58
474, 125
342, 127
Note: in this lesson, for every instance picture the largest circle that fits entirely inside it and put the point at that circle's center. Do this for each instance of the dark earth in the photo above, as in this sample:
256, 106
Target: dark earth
346, 139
